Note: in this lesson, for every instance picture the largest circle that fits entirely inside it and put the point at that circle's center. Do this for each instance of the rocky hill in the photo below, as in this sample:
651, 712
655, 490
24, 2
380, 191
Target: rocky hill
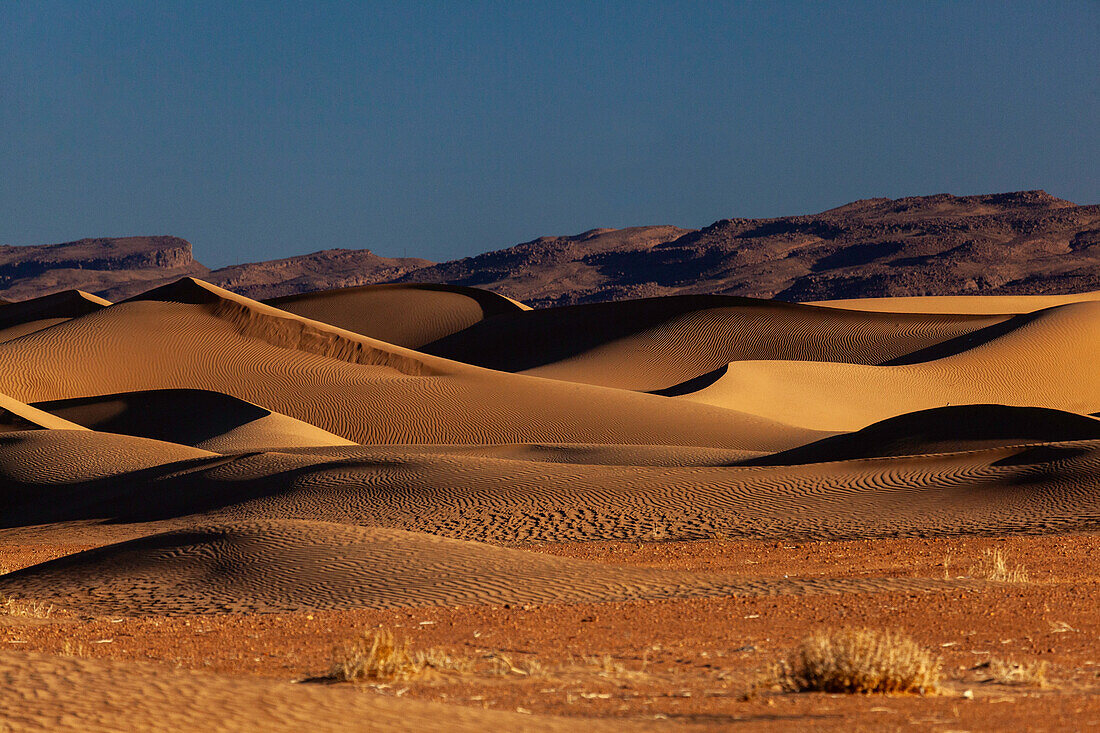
1013, 243
330, 268
112, 268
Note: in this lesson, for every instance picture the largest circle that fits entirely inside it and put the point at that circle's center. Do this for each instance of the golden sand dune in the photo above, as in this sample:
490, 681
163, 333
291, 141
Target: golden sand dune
405, 315
71, 456
223, 457
290, 566
943, 430
208, 420
40, 692
1023, 488
973, 304
192, 335
1042, 359
28, 316
653, 344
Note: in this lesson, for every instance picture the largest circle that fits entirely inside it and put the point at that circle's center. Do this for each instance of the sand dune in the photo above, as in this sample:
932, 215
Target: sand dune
1044, 359
49, 693
404, 315
34, 459
229, 458
208, 420
192, 335
291, 566
943, 430
653, 344
28, 316
462, 495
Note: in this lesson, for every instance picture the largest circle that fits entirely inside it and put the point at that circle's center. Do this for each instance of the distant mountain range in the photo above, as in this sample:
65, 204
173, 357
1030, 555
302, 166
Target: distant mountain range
1026, 242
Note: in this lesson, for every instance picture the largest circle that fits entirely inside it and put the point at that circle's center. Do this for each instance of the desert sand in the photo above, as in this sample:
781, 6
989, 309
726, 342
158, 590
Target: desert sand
639, 505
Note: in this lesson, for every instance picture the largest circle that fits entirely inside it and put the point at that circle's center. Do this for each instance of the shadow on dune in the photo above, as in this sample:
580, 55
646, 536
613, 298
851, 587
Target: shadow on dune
519, 341
693, 385
960, 344
185, 416
169, 491
943, 430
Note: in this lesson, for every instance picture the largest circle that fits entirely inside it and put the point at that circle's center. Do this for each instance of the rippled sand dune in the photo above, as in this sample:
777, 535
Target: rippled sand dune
390, 447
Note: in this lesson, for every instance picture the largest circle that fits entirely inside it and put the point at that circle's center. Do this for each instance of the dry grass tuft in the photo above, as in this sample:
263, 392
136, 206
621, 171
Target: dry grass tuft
1004, 672
859, 662
25, 608
992, 565
379, 657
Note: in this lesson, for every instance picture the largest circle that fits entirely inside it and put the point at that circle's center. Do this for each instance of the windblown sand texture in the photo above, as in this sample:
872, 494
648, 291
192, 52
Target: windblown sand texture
389, 447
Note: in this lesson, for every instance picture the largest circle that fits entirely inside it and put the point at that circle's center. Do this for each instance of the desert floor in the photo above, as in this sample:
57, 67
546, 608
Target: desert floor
612, 517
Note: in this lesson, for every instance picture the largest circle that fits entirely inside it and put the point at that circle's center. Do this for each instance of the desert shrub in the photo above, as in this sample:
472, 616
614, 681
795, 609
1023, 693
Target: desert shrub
859, 661
379, 657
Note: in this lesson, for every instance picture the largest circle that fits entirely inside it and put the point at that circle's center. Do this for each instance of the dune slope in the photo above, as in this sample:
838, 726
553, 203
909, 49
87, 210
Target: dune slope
47, 693
192, 335
1043, 359
208, 420
28, 316
943, 430
404, 315
289, 566
510, 500
656, 343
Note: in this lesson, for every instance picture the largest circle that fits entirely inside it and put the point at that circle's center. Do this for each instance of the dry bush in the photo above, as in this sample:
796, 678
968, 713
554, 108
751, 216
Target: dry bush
25, 608
74, 649
379, 657
992, 565
1004, 672
859, 661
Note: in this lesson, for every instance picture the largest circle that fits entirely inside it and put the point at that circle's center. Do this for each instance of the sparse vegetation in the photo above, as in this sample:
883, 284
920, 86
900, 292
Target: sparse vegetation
378, 656
1030, 674
25, 608
859, 661
992, 565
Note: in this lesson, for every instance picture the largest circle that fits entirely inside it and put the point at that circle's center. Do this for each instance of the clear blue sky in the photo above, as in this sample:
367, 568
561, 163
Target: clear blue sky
262, 130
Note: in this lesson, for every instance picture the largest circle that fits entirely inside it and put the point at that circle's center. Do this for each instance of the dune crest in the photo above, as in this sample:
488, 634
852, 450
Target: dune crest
253, 319
405, 315
656, 343
1047, 360
195, 336
28, 316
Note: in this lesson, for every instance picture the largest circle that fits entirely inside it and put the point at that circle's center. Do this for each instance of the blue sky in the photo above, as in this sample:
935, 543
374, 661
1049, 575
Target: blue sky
262, 130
